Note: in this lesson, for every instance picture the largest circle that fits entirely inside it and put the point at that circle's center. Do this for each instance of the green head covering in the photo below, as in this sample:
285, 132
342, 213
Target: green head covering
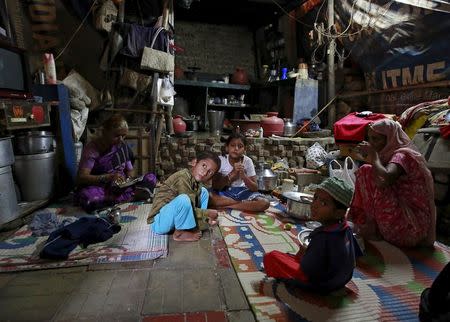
338, 189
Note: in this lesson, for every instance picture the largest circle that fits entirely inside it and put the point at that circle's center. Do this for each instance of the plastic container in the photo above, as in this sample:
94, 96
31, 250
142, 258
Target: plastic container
306, 100
50, 68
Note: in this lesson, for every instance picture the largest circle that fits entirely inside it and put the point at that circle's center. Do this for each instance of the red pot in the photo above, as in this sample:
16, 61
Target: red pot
239, 76
178, 73
272, 124
179, 126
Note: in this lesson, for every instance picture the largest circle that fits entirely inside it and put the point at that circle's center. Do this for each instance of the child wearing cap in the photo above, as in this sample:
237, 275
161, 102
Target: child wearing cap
327, 263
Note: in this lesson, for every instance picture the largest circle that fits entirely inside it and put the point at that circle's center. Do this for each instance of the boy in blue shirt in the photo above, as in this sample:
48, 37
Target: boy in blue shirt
327, 263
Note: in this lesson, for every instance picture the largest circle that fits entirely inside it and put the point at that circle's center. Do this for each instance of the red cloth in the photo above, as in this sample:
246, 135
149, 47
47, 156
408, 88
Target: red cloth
281, 265
445, 131
400, 212
353, 128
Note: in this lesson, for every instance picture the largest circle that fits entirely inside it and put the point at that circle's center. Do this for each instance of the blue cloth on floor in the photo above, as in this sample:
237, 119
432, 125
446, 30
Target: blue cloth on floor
240, 193
85, 231
44, 222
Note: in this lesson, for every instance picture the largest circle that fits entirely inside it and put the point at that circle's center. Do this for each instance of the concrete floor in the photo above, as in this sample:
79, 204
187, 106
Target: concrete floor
195, 277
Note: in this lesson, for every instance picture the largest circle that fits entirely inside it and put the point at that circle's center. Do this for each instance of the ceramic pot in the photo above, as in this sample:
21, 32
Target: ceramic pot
178, 73
179, 126
272, 124
239, 76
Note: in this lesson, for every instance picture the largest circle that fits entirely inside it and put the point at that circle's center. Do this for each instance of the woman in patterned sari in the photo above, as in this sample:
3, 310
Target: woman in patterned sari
393, 196
107, 161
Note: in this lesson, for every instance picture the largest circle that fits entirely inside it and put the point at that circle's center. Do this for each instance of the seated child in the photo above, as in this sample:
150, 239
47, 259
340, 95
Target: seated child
327, 263
181, 202
235, 184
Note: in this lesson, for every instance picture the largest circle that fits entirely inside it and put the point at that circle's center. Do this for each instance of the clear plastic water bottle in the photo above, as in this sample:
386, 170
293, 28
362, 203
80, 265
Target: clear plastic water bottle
261, 132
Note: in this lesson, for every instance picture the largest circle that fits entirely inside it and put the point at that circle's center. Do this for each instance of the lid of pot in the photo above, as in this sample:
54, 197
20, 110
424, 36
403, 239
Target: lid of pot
36, 133
298, 196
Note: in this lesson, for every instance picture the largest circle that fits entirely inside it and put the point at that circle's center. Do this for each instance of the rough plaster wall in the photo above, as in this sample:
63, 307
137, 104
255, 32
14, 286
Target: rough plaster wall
216, 49
84, 52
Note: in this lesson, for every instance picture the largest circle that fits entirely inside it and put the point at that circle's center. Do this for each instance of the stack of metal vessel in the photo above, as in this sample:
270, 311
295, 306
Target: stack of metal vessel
34, 166
8, 198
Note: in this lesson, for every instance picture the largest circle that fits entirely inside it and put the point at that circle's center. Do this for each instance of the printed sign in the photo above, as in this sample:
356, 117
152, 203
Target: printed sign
397, 43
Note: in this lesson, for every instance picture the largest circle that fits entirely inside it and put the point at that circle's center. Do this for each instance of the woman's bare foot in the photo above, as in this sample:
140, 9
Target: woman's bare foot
187, 235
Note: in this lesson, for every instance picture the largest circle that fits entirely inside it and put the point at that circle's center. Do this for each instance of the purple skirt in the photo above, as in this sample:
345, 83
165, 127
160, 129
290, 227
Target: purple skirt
91, 198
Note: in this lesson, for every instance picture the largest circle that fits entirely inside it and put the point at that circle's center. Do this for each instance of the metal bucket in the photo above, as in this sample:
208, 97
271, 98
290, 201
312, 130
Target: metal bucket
6, 152
9, 210
215, 120
35, 174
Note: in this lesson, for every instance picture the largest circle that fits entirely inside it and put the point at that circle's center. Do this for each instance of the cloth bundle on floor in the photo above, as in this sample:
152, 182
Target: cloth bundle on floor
85, 231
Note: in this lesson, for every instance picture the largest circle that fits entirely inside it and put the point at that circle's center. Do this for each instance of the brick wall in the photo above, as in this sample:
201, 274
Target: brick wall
175, 153
216, 49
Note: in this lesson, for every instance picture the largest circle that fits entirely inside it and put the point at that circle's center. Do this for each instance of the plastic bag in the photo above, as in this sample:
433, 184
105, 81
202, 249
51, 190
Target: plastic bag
315, 156
166, 91
346, 173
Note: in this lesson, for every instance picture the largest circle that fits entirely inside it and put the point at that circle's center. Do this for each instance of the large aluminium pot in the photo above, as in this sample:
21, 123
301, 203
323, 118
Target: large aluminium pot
266, 178
298, 204
6, 152
9, 210
33, 142
35, 174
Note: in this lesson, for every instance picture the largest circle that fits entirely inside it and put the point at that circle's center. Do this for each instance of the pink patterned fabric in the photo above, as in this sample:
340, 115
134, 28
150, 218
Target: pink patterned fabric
396, 139
403, 213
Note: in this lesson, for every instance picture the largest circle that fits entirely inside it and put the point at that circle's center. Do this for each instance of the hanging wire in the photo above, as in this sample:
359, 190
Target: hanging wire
289, 14
77, 30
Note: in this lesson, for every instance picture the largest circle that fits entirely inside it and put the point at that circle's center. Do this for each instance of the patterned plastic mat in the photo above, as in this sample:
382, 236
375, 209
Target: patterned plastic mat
135, 242
386, 284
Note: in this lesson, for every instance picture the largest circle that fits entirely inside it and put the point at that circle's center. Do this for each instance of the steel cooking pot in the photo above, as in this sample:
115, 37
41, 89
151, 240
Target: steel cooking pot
298, 204
290, 128
33, 142
266, 178
191, 123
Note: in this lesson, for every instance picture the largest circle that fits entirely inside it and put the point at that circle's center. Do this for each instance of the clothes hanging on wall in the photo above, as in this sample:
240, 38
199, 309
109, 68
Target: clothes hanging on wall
136, 37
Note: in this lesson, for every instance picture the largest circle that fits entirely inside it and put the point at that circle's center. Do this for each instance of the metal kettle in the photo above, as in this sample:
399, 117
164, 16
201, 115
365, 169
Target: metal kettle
266, 178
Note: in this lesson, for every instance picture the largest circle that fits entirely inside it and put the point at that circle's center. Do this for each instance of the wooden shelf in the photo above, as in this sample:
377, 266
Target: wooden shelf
283, 82
230, 106
211, 84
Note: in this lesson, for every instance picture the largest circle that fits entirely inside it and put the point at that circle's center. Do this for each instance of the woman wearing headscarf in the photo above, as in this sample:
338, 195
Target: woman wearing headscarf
394, 196
106, 163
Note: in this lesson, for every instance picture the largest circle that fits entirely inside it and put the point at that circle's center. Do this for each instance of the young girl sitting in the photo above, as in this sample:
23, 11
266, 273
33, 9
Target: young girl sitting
235, 184
181, 202
329, 260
